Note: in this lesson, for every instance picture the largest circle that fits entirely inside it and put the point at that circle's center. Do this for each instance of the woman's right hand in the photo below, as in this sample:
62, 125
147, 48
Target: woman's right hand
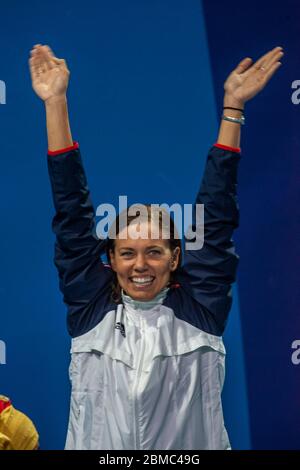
49, 75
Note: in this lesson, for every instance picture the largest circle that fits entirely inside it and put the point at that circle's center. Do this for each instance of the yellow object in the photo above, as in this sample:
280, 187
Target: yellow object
17, 431
4, 442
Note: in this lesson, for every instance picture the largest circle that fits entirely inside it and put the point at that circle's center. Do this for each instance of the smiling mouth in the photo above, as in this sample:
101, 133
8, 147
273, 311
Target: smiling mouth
144, 281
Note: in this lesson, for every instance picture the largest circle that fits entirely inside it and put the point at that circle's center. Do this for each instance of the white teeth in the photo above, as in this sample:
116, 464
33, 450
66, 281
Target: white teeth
142, 280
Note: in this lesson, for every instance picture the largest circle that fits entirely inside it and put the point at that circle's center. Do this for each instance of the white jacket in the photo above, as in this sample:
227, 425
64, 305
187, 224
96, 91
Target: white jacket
157, 388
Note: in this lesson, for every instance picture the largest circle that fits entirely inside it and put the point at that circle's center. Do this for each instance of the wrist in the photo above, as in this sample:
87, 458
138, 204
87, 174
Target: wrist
236, 112
232, 102
54, 100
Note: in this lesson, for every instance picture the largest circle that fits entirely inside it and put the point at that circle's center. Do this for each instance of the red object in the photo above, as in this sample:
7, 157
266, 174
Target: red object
175, 286
226, 147
67, 149
4, 404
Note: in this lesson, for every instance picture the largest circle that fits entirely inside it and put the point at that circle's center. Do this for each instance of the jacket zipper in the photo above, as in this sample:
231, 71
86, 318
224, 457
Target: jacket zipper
135, 389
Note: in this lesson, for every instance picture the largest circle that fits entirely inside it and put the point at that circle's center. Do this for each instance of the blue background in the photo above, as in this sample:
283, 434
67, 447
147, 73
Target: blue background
145, 99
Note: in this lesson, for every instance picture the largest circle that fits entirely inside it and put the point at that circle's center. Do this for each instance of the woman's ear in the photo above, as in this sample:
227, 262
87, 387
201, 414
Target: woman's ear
175, 259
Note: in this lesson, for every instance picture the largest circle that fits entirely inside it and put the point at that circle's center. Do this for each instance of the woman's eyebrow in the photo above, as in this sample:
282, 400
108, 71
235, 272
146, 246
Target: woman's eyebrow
132, 249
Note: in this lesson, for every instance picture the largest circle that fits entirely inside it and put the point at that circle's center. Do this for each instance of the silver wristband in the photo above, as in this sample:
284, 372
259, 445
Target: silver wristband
240, 120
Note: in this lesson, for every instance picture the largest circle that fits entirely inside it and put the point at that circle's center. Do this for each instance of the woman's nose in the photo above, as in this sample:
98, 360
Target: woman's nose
140, 263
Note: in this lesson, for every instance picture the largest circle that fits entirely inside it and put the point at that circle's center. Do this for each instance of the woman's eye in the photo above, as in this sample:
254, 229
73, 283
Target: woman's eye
128, 254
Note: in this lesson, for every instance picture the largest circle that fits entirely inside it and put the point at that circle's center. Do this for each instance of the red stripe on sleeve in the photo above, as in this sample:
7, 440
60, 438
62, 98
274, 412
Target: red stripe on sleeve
67, 149
226, 147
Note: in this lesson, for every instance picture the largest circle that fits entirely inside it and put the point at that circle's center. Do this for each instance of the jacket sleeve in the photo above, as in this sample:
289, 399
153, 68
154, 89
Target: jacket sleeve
82, 275
208, 272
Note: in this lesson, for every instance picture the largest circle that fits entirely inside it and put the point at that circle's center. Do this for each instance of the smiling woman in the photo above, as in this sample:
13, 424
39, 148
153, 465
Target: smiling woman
144, 266
147, 365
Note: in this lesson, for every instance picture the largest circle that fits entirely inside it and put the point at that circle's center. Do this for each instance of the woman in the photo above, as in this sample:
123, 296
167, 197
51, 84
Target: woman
147, 364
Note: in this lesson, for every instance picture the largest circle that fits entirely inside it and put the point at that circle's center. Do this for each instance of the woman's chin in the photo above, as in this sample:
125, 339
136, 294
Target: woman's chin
145, 292
142, 294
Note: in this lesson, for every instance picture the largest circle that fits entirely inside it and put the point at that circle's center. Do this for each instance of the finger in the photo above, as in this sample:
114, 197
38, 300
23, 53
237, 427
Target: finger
51, 65
266, 57
35, 49
271, 71
48, 53
60, 63
41, 65
34, 61
46, 58
268, 66
48, 49
271, 61
36, 54
33, 67
243, 65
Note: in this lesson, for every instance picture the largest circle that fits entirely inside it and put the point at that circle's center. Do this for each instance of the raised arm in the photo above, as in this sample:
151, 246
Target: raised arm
83, 278
244, 82
50, 78
208, 273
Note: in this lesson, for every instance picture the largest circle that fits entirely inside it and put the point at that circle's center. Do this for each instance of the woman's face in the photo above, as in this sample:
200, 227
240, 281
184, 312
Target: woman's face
143, 266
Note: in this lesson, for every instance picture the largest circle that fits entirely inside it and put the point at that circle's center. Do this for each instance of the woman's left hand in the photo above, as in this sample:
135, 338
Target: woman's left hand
246, 80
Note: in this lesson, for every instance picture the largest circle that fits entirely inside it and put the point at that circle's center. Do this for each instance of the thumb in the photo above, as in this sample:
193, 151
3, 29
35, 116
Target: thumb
244, 65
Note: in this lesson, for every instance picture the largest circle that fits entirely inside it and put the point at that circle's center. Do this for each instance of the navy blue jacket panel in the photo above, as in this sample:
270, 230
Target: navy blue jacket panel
208, 273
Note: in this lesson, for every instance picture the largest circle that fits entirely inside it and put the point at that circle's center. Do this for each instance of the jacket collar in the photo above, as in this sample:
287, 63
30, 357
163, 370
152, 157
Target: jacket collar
147, 305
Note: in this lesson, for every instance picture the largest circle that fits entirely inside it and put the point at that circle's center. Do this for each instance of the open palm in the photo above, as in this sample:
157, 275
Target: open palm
49, 75
247, 80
